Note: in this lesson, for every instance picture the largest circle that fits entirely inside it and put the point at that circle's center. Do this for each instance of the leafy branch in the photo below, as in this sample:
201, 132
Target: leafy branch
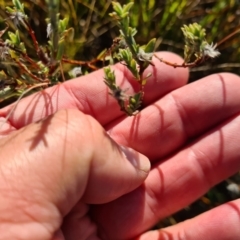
195, 46
22, 71
137, 58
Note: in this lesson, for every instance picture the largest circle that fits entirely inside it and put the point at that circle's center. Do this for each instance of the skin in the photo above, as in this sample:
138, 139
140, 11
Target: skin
64, 175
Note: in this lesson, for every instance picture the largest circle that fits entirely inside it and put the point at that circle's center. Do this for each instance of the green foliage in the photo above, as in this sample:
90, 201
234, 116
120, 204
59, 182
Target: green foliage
135, 57
25, 68
195, 43
116, 92
128, 104
110, 78
194, 36
17, 7
130, 47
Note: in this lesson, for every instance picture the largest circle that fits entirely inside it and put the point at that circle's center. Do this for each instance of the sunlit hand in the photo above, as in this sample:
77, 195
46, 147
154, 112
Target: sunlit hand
56, 158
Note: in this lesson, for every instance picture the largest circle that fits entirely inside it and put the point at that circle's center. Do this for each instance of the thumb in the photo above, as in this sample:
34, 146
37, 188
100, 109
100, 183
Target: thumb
65, 158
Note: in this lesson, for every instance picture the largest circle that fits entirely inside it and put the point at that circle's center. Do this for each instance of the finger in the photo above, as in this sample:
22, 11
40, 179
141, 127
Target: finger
220, 223
180, 116
48, 166
90, 95
174, 183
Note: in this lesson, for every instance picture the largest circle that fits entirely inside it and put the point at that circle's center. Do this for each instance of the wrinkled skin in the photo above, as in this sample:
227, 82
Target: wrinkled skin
62, 176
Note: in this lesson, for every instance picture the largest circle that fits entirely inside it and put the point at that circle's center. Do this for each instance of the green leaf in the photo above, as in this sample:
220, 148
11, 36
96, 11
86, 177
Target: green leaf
22, 47
133, 68
124, 15
150, 46
102, 54
68, 35
18, 40
125, 55
194, 32
62, 25
113, 15
13, 37
134, 103
132, 31
138, 96
118, 8
10, 10
110, 79
127, 7
18, 5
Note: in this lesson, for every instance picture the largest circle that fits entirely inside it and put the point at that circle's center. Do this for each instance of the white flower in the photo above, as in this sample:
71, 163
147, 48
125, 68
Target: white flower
17, 18
49, 30
75, 72
210, 51
4, 51
143, 56
233, 188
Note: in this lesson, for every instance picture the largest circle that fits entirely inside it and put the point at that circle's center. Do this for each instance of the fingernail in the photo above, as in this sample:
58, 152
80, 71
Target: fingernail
137, 159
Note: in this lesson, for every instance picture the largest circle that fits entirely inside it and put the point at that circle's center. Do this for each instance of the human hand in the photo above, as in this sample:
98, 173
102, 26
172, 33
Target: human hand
51, 170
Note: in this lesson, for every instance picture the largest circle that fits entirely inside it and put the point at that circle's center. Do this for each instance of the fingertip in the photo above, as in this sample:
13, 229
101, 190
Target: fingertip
138, 160
115, 171
153, 235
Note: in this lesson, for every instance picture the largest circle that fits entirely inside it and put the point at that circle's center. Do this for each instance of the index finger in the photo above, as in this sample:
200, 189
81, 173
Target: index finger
90, 95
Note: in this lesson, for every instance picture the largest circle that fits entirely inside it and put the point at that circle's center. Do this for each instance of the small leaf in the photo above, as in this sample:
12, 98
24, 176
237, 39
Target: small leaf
127, 7
22, 47
134, 103
18, 5
102, 54
138, 96
125, 55
68, 35
110, 79
13, 37
117, 7
132, 31
62, 25
150, 46
132, 100
113, 15
18, 41
124, 15
10, 10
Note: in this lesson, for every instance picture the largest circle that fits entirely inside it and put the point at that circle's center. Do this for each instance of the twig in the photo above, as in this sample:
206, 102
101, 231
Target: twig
184, 65
88, 63
24, 68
